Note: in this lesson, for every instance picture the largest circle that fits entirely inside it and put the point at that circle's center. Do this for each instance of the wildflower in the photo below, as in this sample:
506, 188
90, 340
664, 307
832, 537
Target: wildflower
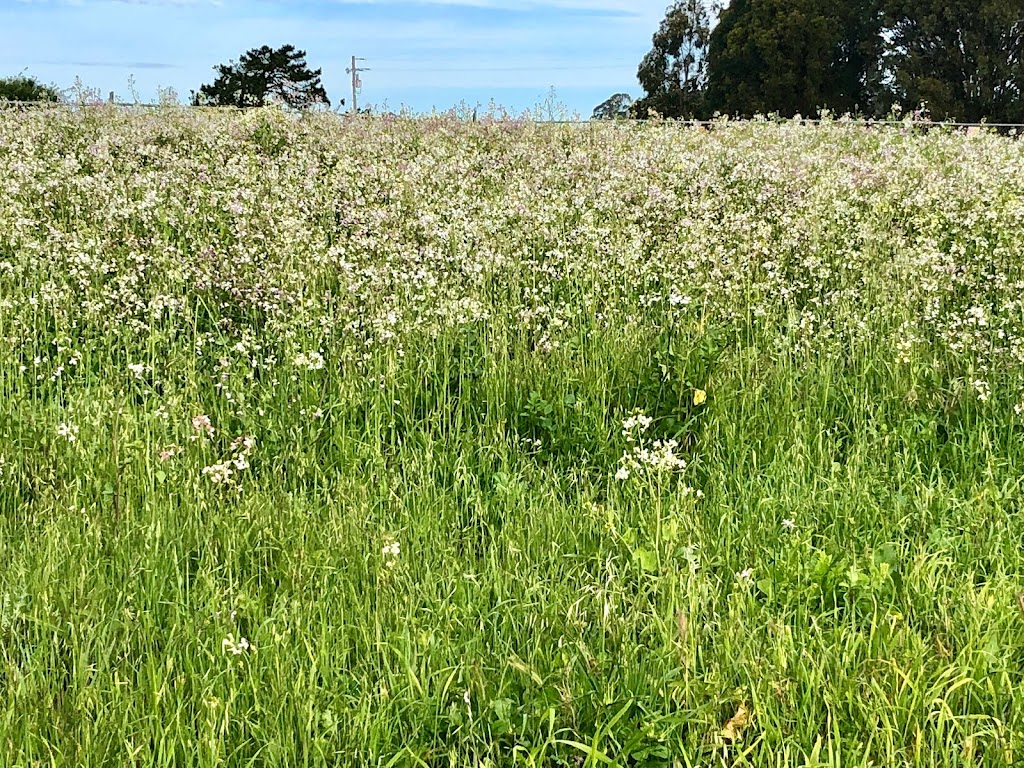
312, 361
138, 370
675, 299
745, 574
636, 425
202, 423
229, 645
169, 452
663, 456
68, 431
219, 474
789, 524
243, 444
982, 388
699, 397
622, 474
390, 552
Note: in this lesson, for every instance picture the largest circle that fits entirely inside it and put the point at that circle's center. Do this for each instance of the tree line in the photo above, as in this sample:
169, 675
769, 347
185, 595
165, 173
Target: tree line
959, 60
260, 77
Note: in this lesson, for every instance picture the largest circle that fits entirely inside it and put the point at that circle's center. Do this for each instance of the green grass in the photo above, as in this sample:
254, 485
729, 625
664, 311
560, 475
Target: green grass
841, 555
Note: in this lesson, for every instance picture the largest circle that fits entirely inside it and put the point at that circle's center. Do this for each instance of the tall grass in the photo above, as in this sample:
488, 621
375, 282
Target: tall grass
333, 443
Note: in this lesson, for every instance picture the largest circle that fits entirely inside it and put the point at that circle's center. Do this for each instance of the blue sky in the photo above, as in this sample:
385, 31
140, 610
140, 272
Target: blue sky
420, 53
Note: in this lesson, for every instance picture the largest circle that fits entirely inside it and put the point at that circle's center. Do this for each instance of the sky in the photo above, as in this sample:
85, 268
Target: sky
419, 54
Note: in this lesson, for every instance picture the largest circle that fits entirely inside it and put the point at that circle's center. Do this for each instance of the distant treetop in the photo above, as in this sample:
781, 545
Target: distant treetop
24, 88
264, 76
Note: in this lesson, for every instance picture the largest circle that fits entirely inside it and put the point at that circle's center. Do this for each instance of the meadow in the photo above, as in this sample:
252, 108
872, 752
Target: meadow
424, 442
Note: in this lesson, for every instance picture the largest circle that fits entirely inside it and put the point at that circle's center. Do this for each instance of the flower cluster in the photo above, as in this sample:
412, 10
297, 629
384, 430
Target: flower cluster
311, 361
202, 426
373, 239
657, 455
235, 647
390, 551
67, 431
226, 473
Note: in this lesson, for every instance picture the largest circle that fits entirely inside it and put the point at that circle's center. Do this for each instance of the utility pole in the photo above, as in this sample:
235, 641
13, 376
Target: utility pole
356, 82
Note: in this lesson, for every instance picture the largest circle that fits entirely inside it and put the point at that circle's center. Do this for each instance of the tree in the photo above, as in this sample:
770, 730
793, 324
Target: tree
24, 88
673, 74
796, 57
264, 75
615, 107
964, 59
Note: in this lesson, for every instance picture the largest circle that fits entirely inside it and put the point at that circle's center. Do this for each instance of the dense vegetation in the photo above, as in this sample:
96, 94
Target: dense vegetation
23, 88
394, 442
957, 59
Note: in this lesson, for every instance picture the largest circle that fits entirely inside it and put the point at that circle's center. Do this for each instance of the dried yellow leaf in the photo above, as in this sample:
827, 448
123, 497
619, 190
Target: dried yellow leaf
683, 625
733, 727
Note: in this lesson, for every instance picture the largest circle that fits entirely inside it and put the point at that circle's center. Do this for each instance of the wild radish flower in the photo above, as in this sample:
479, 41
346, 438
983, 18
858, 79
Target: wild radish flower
203, 424
169, 453
219, 474
636, 425
789, 524
138, 370
68, 431
745, 575
663, 456
982, 388
243, 444
235, 648
622, 474
311, 361
390, 552
699, 397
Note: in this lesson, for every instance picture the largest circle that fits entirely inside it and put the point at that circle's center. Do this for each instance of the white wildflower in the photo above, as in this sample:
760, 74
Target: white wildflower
390, 552
219, 474
68, 431
203, 424
636, 425
235, 648
982, 388
311, 361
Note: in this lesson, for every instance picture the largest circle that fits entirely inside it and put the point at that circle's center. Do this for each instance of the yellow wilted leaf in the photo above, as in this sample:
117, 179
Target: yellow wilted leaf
683, 624
735, 724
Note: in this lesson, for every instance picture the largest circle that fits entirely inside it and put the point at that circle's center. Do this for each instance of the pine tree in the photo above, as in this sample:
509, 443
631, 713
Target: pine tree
264, 75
